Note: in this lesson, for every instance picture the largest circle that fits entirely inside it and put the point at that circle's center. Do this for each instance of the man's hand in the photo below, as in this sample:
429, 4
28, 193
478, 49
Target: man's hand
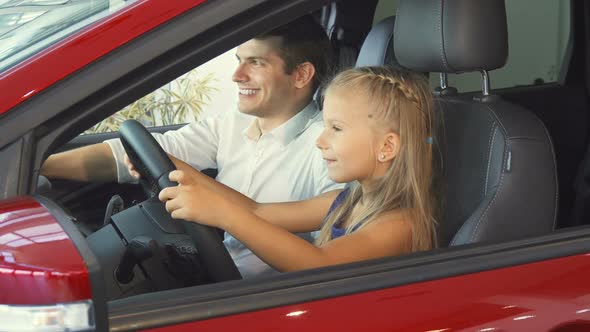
134, 173
179, 164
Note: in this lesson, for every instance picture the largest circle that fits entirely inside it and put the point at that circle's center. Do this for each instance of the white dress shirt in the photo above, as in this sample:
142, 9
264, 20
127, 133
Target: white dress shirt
279, 166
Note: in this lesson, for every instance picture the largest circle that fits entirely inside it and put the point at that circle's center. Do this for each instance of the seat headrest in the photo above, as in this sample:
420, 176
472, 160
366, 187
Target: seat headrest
451, 36
377, 49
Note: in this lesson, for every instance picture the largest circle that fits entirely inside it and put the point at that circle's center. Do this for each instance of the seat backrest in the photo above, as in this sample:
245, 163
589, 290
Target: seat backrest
498, 176
377, 49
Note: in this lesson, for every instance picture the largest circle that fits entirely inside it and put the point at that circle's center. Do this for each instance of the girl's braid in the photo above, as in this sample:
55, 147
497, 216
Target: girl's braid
408, 91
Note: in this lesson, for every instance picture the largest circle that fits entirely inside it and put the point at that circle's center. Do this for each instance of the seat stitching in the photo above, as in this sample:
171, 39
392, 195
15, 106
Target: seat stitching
491, 109
490, 145
495, 194
490, 149
555, 174
442, 46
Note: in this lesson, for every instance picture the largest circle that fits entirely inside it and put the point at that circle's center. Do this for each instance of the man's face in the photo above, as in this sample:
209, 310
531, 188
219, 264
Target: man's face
264, 86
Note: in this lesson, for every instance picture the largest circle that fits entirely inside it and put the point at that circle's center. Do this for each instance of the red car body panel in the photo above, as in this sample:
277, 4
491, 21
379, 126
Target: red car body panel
508, 299
39, 264
67, 56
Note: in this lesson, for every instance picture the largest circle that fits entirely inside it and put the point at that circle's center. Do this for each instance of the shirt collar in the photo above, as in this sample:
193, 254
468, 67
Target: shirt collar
289, 130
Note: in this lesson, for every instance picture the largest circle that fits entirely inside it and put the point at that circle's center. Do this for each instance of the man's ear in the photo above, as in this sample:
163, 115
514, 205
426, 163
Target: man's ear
390, 147
304, 74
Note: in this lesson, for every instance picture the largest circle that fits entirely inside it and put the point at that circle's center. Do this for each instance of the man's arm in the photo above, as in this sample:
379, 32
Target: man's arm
89, 163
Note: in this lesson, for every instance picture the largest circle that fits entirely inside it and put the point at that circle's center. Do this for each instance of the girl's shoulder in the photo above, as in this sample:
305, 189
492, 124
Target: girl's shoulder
398, 218
391, 230
397, 214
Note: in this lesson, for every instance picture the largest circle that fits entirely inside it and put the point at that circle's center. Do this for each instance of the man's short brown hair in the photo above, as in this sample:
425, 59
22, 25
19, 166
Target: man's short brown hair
304, 40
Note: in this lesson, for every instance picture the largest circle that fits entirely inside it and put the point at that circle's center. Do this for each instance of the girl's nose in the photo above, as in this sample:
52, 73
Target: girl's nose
320, 141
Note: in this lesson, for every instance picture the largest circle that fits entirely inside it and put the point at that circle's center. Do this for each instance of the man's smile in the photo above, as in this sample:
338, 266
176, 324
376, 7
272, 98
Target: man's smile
248, 92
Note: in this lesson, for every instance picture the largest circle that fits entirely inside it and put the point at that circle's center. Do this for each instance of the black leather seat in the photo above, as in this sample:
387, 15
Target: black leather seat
499, 177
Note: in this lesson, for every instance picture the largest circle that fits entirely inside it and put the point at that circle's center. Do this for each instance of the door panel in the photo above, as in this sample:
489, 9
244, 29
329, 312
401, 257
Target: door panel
544, 275
533, 297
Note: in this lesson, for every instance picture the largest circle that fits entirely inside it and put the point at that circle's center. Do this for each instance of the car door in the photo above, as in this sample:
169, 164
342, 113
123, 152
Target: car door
477, 289
531, 284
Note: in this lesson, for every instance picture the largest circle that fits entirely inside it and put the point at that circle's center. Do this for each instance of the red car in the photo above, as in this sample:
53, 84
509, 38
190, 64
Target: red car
514, 244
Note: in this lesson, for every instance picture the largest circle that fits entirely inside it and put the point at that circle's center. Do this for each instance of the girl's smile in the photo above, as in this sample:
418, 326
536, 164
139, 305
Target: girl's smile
330, 162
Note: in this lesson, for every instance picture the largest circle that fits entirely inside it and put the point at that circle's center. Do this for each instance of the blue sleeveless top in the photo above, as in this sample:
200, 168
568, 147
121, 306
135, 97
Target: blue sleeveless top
336, 231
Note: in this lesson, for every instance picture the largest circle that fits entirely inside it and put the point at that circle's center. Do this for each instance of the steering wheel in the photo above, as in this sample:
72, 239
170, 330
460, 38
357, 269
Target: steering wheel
154, 165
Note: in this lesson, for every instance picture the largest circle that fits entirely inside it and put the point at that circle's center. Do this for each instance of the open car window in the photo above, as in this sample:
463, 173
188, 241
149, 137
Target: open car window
203, 91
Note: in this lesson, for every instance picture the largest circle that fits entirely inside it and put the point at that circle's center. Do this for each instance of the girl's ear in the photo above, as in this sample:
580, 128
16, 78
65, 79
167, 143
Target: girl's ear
390, 147
304, 74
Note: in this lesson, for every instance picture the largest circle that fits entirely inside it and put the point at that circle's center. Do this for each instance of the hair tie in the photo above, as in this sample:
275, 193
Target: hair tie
429, 140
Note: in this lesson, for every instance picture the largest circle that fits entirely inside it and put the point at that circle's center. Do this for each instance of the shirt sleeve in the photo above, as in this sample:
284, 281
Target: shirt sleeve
196, 144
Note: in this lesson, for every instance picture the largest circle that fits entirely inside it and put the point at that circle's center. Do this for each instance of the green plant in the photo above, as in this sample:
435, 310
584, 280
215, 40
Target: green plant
179, 101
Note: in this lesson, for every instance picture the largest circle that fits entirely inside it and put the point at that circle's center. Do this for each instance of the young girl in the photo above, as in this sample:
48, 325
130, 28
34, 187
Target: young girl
377, 133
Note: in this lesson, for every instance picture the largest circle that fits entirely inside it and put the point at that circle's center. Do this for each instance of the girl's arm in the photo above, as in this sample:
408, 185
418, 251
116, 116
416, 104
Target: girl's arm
388, 235
297, 217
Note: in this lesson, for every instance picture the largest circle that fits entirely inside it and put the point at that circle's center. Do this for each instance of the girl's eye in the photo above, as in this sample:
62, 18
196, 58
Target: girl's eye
336, 128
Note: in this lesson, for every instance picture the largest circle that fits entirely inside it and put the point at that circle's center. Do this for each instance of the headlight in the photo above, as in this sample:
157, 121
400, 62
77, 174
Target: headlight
74, 316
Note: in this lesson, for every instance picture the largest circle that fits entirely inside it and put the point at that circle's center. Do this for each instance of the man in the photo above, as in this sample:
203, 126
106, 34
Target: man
266, 150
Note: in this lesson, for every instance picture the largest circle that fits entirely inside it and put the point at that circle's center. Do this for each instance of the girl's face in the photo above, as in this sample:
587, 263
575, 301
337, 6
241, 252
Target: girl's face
349, 143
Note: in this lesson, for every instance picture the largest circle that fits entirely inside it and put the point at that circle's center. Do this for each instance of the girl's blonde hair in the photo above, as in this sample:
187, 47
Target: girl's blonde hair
403, 103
